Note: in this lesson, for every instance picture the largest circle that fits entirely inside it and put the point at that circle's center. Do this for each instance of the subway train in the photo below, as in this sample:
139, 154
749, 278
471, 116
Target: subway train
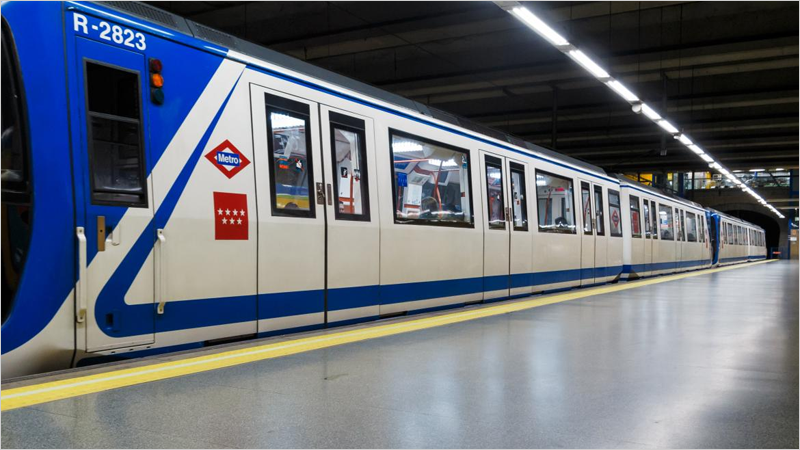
167, 186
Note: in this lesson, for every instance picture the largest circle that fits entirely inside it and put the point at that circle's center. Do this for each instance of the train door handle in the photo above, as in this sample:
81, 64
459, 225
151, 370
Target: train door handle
101, 233
320, 194
81, 286
330, 195
116, 234
161, 269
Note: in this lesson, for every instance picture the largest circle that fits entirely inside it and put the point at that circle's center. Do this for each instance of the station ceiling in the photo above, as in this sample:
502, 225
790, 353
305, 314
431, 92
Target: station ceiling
726, 71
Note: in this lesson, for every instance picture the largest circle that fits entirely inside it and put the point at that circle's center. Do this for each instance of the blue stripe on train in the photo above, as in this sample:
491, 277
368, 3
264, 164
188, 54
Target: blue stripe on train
637, 268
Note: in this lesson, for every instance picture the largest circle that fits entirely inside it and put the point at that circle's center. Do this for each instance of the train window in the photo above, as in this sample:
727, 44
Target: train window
350, 181
599, 211
615, 211
16, 188
681, 231
587, 208
494, 193
665, 223
116, 153
290, 164
701, 228
431, 182
729, 227
519, 201
654, 218
691, 227
636, 217
555, 203
646, 217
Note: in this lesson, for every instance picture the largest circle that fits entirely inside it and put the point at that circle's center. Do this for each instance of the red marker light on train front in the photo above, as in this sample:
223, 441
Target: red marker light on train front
156, 81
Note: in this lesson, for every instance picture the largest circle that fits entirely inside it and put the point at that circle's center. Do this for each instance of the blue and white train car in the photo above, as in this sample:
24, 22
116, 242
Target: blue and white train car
667, 233
736, 240
167, 186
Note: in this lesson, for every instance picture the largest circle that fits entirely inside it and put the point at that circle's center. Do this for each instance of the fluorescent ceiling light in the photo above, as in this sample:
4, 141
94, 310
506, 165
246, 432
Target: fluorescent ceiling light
588, 64
685, 140
707, 158
696, 149
650, 113
406, 147
539, 26
737, 171
668, 127
780, 169
282, 121
756, 170
623, 91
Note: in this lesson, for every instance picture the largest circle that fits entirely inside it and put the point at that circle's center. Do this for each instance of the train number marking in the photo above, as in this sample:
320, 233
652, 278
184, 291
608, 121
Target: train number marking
112, 33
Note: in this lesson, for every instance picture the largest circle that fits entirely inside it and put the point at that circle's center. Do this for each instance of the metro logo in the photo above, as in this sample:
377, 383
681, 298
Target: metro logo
228, 159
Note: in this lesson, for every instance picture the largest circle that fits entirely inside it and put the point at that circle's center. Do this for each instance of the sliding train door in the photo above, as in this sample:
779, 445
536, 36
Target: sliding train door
587, 235
290, 197
116, 235
353, 226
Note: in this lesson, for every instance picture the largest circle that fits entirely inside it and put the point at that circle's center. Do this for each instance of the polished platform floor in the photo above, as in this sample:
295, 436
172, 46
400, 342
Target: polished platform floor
704, 361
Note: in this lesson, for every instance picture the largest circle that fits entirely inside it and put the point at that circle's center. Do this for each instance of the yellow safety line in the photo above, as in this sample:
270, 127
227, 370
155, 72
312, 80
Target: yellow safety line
57, 390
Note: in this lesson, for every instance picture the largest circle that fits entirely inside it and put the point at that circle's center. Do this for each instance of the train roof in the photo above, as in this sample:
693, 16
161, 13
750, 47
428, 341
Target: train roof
194, 29
734, 219
625, 180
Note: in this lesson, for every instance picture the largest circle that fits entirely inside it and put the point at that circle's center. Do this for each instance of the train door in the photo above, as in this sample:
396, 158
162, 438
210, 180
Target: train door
521, 239
290, 198
601, 237
353, 243
648, 236
114, 301
496, 235
588, 239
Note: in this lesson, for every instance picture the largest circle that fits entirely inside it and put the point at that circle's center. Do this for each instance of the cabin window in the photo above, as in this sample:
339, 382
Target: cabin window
431, 182
615, 227
519, 200
350, 177
636, 219
555, 203
291, 164
17, 196
494, 193
116, 152
665, 223
598, 211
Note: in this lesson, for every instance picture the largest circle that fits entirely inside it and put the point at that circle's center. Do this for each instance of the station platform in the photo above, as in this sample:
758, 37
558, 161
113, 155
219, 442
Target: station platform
697, 360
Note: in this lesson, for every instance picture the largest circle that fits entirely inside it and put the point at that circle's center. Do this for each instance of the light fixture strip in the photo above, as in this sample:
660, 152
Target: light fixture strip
543, 29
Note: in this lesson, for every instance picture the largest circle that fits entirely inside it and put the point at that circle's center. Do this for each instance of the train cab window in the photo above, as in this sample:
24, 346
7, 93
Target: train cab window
494, 193
519, 200
598, 211
17, 194
636, 217
665, 223
691, 227
646, 217
555, 203
290, 163
349, 155
116, 153
615, 211
431, 182
586, 205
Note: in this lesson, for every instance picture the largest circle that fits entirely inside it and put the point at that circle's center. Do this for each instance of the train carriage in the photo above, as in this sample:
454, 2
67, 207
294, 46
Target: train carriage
168, 186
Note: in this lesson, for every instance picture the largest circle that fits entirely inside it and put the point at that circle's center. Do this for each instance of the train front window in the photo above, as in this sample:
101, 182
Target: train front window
431, 182
116, 157
348, 150
16, 189
290, 162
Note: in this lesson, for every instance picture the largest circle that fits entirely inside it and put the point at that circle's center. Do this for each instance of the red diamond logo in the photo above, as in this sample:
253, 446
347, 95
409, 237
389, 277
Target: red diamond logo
228, 159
